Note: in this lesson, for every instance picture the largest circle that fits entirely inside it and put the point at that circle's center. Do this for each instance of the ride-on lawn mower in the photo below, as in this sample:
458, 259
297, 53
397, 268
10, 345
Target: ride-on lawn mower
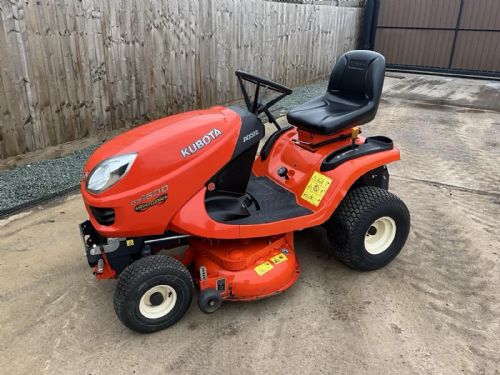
193, 179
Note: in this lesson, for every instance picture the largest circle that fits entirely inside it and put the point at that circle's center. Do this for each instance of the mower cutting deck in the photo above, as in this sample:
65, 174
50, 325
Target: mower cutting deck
195, 179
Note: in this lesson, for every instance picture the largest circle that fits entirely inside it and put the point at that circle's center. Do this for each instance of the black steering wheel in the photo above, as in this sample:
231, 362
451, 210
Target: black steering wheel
257, 107
263, 82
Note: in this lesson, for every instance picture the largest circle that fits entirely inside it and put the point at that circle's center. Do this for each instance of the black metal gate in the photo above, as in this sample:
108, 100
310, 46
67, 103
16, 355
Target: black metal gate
445, 36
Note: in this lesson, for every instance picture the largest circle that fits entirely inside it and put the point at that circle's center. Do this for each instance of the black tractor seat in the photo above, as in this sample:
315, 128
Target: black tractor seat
352, 97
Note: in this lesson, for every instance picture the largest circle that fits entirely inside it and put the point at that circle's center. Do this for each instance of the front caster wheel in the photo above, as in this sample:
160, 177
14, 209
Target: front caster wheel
369, 228
209, 301
153, 293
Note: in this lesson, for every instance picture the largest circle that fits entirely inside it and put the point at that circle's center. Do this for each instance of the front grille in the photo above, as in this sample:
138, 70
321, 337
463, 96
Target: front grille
104, 216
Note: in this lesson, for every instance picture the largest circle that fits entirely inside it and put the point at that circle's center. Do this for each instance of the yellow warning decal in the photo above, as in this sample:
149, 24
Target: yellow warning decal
263, 268
130, 242
277, 259
316, 188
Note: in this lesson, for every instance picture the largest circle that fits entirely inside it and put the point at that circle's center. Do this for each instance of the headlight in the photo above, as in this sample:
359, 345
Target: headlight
109, 172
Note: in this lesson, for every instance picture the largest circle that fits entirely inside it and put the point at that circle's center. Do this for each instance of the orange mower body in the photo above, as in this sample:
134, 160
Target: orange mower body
200, 180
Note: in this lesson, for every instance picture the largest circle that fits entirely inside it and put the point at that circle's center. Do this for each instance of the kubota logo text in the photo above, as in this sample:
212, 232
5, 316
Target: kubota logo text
200, 143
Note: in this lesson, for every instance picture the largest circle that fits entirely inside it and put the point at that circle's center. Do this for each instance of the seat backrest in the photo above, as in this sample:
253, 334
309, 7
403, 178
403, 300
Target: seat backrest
359, 72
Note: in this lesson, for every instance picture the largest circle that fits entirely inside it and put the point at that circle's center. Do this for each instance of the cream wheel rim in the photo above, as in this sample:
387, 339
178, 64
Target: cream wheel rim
158, 301
380, 235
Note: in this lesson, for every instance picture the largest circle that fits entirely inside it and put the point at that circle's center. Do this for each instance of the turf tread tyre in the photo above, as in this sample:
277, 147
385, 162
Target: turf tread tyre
348, 225
141, 276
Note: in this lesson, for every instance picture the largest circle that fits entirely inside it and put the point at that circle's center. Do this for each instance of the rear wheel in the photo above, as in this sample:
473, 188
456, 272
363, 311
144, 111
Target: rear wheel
153, 293
369, 228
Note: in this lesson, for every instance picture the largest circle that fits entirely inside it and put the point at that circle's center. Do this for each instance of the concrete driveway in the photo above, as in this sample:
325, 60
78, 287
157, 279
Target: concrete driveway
434, 310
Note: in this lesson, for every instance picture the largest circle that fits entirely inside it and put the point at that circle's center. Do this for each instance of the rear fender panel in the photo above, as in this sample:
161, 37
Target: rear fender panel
378, 177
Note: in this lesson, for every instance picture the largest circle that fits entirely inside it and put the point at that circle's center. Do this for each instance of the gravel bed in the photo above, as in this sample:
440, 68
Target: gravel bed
42, 179
299, 96
45, 179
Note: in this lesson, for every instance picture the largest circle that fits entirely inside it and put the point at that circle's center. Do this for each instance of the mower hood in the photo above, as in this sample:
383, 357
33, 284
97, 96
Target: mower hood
177, 154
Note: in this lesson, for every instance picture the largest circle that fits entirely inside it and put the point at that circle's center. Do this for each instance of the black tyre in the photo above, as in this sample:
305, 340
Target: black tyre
209, 301
153, 293
369, 228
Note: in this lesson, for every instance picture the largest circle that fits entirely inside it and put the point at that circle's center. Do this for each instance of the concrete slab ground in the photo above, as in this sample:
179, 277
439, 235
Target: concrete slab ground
434, 310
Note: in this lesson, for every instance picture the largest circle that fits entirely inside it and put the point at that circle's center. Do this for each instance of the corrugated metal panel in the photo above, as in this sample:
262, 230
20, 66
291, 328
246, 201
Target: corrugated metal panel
477, 50
415, 47
481, 14
418, 13
446, 35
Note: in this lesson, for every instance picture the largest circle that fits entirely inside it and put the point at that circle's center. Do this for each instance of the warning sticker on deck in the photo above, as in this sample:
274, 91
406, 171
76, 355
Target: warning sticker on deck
263, 268
316, 188
277, 259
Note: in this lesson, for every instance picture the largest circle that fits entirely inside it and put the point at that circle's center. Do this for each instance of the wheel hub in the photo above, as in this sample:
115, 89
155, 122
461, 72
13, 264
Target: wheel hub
158, 301
380, 235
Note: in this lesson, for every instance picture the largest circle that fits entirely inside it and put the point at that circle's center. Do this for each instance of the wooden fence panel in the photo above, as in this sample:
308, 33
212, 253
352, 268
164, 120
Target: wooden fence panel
72, 69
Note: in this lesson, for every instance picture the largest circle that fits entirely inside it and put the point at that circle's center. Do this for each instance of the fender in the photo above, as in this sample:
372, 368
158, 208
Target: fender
302, 163
351, 171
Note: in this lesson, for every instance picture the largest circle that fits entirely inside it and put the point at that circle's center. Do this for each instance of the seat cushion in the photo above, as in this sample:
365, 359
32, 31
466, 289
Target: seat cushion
352, 97
331, 113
